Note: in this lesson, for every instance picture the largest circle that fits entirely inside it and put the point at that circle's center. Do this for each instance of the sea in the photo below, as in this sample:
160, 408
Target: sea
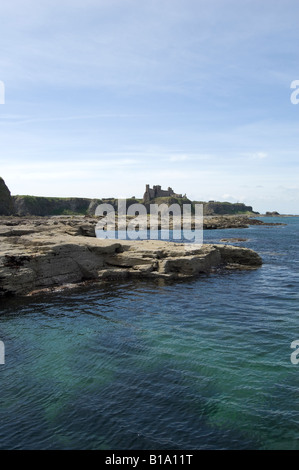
198, 364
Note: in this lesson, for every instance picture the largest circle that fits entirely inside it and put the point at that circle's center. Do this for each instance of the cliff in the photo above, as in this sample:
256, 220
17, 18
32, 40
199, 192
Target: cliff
47, 206
209, 208
6, 201
226, 208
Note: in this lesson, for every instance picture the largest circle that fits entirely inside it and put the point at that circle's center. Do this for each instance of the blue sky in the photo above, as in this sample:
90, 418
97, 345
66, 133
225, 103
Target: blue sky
104, 96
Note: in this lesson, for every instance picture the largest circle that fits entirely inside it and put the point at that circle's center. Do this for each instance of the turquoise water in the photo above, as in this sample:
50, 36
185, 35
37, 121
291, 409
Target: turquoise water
203, 364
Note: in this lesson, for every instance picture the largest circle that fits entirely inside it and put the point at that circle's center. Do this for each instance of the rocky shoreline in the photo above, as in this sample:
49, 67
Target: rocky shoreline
39, 254
85, 225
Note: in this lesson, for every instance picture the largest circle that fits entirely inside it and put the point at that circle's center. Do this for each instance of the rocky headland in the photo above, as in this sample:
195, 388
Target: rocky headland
26, 205
47, 243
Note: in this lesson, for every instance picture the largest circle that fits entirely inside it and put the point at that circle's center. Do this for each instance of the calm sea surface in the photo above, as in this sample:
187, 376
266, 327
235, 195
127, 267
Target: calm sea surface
203, 364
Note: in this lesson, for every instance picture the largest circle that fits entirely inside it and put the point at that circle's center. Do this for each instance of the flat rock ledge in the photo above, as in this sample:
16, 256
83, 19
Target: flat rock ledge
32, 261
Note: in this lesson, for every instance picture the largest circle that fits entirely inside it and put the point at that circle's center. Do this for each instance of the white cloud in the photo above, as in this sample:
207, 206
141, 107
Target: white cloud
190, 157
255, 155
259, 155
178, 158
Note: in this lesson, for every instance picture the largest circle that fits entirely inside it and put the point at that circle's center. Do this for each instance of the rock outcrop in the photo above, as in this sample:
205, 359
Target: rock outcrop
6, 201
41, 254
272, 214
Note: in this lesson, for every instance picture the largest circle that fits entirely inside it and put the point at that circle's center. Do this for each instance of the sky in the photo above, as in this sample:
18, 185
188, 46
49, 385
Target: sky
105, 96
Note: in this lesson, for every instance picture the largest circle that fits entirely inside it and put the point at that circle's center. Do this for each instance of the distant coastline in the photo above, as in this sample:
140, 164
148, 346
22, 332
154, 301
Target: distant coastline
28, 205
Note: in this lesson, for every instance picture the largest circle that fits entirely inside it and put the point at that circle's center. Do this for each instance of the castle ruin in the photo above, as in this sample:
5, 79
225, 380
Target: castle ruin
156, 191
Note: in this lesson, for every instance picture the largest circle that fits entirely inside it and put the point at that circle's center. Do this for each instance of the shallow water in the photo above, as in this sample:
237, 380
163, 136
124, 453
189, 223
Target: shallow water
203, 364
